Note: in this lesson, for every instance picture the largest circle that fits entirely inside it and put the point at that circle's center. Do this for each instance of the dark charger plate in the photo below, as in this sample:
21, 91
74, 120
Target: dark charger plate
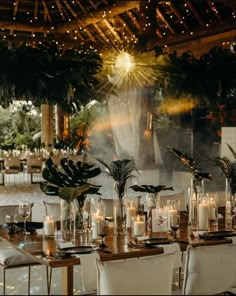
30, 226
77, 250
218, 234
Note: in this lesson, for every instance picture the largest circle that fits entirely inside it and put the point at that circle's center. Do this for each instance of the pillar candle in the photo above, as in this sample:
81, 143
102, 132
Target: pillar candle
203, 216
131, 211
212, 209
49, 226
139, 227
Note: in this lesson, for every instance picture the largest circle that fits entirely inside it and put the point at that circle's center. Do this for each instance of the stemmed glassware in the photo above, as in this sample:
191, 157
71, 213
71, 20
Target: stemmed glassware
102, 230
174, 216
24, 212
174, 224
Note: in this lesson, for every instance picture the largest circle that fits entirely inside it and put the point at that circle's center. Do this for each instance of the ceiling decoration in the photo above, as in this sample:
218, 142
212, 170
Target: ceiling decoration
148, 23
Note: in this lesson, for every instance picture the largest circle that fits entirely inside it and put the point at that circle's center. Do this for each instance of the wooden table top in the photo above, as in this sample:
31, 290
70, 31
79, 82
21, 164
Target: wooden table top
117, 246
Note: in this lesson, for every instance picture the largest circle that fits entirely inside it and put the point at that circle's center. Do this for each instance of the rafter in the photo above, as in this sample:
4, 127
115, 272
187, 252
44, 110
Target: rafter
46, 12
211, 5
134, 20
121, 7
195, 13
114, 33
36, 7
15, 8
177, 13
60, 9
165, 21
96, 26
70, 8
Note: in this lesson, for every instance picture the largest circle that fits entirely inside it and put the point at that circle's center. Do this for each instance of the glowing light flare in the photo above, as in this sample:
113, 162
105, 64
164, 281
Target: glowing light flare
176, 106
124, 62
106, 124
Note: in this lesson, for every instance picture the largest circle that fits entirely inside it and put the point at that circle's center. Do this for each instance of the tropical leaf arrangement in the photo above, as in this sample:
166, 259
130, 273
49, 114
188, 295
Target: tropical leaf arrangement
150, 188
189, 164
68, 180
228, 168
120, 170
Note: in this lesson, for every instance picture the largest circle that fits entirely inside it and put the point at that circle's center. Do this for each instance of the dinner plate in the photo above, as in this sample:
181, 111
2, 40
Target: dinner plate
218, 234
156, 241
77, 250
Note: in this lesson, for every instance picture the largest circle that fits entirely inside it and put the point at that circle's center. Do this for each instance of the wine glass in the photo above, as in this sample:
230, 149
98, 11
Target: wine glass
102, 230
174, 223
24, 212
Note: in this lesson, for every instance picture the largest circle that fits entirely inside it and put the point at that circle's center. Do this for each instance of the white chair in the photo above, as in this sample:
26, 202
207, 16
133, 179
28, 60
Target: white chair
88, 273
149, 275
12, 166
34, 166
209, 270
10, 258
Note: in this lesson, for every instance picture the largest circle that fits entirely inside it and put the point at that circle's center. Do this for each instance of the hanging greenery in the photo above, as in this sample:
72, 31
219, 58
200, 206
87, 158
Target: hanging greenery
48, 74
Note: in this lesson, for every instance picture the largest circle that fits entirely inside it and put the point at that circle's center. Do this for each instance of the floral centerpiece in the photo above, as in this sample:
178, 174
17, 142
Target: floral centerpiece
68, 181
152, 198
120, 171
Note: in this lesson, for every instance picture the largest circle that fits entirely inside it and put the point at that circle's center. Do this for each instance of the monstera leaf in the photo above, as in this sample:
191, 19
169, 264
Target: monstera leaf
150, 188
69, 179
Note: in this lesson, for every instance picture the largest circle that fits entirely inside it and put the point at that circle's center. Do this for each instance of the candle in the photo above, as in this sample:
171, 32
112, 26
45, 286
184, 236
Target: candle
49, 226
95, 219
139, 227
131, 211
203, 216
212, 209
172, 217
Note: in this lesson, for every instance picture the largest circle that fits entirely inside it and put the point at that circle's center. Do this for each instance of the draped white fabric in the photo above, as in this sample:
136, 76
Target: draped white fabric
125, 112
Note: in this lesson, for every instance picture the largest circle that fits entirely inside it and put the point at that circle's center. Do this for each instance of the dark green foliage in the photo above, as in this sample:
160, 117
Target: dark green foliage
150, 188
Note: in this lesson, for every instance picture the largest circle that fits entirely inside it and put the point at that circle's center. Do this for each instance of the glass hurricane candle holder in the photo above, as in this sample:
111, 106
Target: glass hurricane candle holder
139, 226
213, 209
173, 207
203, 212
49, 226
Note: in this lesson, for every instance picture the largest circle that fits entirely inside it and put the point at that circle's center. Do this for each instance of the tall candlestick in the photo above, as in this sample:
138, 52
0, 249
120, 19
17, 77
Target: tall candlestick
203, 216
131, 211
139, 227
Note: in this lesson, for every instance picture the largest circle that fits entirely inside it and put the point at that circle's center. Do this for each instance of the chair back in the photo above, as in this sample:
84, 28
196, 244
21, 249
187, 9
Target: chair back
12, 163
149, 275
34, 162
209, 270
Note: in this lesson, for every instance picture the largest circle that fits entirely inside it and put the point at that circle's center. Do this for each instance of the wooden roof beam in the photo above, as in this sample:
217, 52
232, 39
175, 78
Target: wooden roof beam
124, 24
60, 9
114, 33
101, 33
195, 13
36, 8
163, 18
211, 5
81, 6
46, 12
121, 7
24, 28
70, 8
15, 8
178, 14
134, 20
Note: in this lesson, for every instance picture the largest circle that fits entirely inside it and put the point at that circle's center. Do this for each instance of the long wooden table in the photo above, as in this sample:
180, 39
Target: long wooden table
35, 244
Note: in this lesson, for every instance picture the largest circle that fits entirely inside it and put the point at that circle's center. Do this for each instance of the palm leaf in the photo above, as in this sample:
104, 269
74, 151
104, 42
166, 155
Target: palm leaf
232, 151
150, 188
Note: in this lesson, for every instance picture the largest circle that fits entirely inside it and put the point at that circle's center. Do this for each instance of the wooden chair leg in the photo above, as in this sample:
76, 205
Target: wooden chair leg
29, 278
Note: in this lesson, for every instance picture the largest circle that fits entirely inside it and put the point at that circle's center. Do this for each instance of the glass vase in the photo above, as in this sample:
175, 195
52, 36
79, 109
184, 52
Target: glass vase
78, 211
152, 201
195, 191
119, 213
67, 223
230, 202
